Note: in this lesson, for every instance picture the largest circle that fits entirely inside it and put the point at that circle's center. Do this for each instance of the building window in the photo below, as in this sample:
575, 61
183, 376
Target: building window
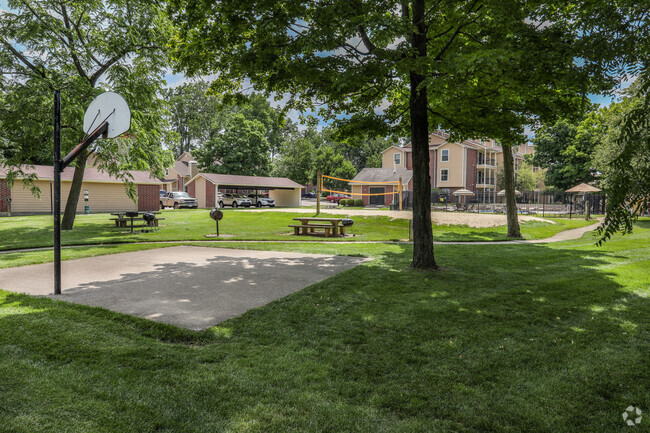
397, 157
444, 155
444, 175
166, 172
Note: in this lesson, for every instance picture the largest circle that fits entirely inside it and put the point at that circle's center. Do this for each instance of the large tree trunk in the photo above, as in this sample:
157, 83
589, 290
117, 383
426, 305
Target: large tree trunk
422, 232
511, 203
73, 198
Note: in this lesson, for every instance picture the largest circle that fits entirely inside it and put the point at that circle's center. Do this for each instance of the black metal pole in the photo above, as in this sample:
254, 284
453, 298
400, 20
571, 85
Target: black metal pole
57, 192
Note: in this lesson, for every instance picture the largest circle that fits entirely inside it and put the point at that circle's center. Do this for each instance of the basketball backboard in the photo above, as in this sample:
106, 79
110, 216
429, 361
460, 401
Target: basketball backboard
109, 107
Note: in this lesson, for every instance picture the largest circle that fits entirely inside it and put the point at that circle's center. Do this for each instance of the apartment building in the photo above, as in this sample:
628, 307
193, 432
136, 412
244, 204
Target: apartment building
471, 164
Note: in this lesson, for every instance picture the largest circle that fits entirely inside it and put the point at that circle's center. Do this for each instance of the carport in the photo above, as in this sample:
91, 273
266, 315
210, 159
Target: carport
204, 186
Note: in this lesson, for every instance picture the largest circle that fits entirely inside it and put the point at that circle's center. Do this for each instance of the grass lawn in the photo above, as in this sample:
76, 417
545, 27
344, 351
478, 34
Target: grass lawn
188, 225
515, 338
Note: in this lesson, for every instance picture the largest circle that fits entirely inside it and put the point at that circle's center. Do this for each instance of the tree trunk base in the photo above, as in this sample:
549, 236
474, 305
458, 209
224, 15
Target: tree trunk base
424, 268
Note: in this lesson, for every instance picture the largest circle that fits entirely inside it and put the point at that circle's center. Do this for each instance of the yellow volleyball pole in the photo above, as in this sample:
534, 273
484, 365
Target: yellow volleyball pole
319, 187
399, 189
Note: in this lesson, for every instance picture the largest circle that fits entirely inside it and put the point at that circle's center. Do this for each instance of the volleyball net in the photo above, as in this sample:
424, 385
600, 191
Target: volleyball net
396, 190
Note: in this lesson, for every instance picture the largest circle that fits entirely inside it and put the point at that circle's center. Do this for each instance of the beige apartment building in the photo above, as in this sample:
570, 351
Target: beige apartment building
471, 164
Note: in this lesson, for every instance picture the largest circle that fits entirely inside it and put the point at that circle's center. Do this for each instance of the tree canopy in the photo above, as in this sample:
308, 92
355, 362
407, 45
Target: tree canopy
565, 150
240, 148
478, 68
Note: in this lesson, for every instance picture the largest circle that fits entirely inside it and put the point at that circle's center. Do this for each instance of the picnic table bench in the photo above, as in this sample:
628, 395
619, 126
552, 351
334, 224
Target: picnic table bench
122, 218
330, 226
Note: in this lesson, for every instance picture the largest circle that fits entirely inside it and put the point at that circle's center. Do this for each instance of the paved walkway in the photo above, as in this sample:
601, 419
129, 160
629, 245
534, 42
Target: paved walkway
191, 287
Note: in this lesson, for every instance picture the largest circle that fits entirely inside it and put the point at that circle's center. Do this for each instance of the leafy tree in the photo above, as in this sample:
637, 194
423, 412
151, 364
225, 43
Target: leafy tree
623, 158
332, 163
479, 68
525, 179
566, 150
192, 115
241, 148
82, 48
361, 151
296, 158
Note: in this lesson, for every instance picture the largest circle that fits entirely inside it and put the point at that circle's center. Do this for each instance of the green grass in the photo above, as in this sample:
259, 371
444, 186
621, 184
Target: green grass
194, 225
529, 230
512, 338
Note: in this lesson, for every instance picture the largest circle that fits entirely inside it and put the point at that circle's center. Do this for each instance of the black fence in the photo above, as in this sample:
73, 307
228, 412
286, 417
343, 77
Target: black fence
543, 203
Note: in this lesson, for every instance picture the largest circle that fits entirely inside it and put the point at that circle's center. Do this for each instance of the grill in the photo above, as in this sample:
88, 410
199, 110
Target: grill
131, 214
149, 222
348, 222
216, 215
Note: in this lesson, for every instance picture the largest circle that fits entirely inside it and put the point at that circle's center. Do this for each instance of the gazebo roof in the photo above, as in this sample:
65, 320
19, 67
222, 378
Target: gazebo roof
583, 187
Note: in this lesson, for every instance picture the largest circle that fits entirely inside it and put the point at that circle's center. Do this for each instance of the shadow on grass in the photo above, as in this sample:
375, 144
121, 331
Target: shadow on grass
469, 236
552, 333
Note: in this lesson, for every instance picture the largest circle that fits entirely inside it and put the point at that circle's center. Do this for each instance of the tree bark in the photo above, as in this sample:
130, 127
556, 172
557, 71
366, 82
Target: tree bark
75, 189
423, 257
511, 203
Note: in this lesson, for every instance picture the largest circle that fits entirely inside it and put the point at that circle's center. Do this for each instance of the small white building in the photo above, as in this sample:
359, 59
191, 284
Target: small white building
204, 187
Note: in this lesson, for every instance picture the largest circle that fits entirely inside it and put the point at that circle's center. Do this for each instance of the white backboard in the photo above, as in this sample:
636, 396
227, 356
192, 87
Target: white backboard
111, 107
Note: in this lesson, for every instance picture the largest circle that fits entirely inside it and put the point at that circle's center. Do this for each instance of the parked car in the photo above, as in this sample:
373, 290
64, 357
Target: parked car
261, 200
334, 198
178, 199
163, 194
309, 195
234, 200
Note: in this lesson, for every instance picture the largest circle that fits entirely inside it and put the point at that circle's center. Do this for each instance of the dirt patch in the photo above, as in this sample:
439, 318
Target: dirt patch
447, 218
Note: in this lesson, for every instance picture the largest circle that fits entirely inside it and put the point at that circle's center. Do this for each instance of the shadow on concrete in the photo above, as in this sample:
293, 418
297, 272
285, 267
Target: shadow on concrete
199, 296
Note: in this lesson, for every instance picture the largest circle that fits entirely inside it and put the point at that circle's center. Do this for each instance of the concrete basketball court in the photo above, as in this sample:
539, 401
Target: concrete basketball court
191, 287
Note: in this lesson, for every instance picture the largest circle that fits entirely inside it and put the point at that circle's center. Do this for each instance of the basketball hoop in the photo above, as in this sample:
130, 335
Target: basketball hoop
111, 108
108, 116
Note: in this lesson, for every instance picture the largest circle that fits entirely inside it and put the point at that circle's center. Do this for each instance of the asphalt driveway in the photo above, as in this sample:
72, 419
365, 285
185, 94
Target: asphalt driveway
191, 287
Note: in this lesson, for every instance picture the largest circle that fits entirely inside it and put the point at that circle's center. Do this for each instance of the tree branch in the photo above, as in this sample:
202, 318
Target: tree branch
23, 59
73, 53
366, 40
105, 66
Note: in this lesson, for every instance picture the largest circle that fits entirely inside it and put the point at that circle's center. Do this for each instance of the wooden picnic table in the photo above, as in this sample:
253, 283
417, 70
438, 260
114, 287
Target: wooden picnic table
306, 226
120, 221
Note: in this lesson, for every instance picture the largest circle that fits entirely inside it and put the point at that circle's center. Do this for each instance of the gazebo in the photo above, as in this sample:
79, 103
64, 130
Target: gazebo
463, 192
584, 189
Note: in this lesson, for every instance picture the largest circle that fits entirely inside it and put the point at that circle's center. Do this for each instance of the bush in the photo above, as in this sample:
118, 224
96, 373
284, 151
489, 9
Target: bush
348, 202
358, 202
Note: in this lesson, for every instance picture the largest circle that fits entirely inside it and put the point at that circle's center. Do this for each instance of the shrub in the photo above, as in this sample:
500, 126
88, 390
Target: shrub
358, 202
